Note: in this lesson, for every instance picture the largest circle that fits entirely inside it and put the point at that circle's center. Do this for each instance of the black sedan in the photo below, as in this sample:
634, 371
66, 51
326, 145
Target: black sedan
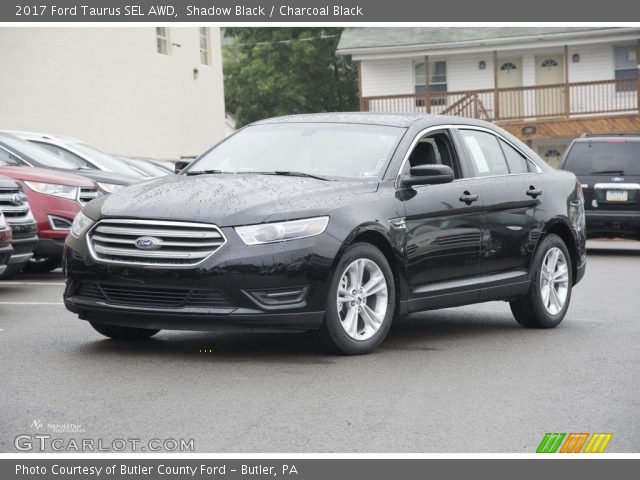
333, 223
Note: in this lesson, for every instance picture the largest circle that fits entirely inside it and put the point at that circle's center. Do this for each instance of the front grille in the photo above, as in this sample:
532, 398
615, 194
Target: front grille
87, 194
151, 242
15, 206
152, 296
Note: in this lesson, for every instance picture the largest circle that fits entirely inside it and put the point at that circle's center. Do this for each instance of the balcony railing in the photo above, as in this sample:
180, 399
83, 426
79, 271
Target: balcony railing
518, 103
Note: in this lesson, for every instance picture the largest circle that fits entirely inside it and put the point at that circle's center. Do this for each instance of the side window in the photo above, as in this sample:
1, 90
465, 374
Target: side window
485, 153
434, 149
517, 163
65, 155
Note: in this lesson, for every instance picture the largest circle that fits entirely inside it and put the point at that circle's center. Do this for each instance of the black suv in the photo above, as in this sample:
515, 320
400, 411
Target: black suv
335, 223
608, 167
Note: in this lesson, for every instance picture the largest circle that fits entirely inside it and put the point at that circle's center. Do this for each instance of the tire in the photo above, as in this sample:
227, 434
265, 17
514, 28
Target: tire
536, 309
42, 264
350, 327
123, 333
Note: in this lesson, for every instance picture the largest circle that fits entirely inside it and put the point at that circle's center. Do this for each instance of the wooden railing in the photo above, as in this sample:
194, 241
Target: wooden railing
542, 101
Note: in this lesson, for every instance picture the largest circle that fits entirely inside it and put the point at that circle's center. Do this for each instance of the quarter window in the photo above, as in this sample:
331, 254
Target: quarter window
516, 162
485, 153
162, 40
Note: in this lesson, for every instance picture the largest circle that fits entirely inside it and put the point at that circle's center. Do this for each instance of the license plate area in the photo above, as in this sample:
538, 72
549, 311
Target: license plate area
617, 196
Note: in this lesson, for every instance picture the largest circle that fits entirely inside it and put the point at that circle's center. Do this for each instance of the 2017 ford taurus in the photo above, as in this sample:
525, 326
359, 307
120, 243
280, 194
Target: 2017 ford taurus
334, 223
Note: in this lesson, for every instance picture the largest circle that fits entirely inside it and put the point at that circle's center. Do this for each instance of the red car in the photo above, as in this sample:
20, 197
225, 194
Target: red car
5, 243
55, 199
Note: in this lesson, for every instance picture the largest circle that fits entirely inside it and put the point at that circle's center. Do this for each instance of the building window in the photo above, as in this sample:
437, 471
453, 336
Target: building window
508, 66
437, 82
162, 40
205, 46
549, 63
626, 65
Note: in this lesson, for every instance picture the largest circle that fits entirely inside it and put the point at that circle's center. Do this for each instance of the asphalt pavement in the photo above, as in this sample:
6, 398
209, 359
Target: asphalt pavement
464, 379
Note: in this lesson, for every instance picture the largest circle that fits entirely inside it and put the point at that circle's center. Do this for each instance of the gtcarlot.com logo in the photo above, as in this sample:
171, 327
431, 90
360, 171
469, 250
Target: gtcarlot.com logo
574, 442
47, 443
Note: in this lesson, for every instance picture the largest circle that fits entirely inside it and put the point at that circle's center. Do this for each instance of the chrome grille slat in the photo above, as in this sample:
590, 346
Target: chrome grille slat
176, 243
156, 233
85, 195
14, 213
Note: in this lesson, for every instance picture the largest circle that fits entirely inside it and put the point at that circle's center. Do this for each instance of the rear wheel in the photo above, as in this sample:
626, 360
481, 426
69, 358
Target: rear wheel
123, 333
360, 304
42, 264
547, 301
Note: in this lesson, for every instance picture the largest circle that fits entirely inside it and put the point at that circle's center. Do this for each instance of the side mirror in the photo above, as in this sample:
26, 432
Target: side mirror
181, 165
427, 175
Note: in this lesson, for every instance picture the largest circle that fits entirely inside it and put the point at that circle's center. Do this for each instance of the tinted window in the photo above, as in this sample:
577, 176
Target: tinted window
516, 162
435, 149
614, 157
485, 153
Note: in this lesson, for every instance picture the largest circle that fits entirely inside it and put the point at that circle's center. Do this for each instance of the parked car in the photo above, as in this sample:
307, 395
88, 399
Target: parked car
608, 167
336, 223
79, 154
150, 168
24, 229
23, 152
55, 199
5, 243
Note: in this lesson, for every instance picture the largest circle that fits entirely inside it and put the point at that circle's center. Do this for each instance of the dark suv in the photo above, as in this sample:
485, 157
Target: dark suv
608, 167
334, 223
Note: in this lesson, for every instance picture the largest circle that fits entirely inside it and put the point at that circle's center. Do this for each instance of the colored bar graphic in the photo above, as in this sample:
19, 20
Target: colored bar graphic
598, 443
550, 443
574, 443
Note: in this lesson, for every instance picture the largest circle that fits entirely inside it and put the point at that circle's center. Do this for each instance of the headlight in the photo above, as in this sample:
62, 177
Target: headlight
80, 224
109, 187
64, 191
280, 231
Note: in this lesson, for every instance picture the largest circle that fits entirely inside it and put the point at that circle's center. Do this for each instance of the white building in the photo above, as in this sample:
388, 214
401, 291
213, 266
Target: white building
544, 85
153, 92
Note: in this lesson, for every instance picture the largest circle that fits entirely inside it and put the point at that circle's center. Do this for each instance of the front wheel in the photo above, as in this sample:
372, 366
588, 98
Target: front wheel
547, 301
360, 303
123, 333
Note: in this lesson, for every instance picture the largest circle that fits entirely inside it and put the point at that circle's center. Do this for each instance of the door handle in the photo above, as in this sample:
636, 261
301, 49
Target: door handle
467, 198
534, 192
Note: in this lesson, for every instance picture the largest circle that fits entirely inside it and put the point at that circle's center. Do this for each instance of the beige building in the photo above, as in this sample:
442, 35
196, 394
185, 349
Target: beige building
151, 91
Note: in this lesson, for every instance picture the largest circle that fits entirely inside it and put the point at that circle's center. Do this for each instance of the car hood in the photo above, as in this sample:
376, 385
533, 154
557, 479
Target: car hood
106, 177
45, 175
230, 199
6, 182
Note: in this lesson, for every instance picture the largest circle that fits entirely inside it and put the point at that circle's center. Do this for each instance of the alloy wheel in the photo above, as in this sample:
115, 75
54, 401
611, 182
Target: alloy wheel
362, 299
554, 280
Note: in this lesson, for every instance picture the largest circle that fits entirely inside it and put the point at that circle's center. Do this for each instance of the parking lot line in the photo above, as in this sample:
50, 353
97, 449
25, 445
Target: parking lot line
31, 283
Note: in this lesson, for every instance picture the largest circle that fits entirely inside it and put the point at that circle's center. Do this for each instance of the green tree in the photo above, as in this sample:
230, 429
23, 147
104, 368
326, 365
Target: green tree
280, 71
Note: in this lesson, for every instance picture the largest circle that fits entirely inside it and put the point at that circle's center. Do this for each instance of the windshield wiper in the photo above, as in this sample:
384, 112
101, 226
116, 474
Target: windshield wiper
293, 174
203, 172
610, 172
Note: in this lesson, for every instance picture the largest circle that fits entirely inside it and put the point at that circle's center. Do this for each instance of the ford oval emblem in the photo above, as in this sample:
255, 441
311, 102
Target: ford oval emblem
148, 243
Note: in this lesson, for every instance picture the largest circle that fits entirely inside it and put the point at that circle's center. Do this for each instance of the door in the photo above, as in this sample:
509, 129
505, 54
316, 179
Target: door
510, 102
550, 99
443, 231
552, 154
511, 194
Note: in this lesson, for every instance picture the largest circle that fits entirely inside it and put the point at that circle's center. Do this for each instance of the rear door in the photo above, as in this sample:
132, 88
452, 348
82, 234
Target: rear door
512, 193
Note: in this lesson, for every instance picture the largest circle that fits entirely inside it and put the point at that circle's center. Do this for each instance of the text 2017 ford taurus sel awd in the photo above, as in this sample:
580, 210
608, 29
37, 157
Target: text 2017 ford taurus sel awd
335, 223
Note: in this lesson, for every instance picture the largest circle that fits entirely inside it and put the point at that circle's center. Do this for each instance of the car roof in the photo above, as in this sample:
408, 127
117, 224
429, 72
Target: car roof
404, 120
608, 138
41, 136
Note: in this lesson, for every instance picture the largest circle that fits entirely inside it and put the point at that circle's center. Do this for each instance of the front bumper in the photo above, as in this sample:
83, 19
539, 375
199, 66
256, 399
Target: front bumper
227, 288
613, 223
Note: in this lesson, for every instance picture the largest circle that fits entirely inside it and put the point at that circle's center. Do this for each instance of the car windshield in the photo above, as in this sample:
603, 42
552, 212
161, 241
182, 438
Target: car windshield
106, 161
34, 154
615, 157
327, 150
